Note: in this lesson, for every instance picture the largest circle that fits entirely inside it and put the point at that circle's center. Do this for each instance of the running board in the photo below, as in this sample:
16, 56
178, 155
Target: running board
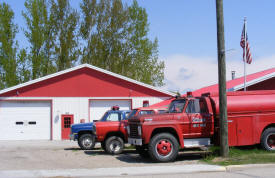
196, 142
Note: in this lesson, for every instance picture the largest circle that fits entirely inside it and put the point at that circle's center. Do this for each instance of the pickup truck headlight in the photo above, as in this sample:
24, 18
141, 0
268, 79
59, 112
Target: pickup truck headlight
139, 130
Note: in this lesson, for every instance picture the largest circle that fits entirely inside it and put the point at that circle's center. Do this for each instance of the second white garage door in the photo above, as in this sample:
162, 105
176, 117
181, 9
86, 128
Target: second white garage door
99, 107
25, 120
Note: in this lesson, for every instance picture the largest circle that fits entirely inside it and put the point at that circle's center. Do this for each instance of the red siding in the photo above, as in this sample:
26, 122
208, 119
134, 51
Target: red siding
84, 82
264, 85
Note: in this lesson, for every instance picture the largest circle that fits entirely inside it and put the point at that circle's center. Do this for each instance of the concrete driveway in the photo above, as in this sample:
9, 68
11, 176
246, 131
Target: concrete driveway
64, 159
48, 155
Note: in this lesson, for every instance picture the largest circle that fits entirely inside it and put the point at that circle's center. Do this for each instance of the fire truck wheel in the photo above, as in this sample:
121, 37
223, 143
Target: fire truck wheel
268, 139
163, 147
142, 151
114, 145
86, 141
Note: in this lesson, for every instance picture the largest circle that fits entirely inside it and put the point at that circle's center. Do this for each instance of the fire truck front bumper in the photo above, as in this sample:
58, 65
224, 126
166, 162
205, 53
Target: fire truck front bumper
135, 141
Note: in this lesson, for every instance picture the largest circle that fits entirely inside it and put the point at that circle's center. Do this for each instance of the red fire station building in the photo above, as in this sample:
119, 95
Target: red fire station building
44, 108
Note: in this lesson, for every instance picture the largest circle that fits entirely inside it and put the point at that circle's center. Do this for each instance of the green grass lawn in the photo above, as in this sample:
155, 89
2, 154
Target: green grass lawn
241, 155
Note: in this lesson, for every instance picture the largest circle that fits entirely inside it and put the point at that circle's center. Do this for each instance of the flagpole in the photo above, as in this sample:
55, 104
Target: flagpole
244, 60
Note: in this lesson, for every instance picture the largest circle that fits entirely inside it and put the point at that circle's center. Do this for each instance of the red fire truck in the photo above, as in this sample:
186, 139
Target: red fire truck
194, 122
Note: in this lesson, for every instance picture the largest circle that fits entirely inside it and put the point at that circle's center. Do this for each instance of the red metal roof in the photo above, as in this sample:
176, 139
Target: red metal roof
84, 81
233, 83
230, 85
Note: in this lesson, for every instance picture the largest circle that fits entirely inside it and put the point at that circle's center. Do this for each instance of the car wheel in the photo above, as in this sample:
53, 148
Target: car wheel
114, 145
86, 141
163, 147
268, 139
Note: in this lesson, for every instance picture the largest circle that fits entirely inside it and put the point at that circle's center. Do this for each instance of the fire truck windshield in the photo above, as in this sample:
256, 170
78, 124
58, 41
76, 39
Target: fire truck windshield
177, 106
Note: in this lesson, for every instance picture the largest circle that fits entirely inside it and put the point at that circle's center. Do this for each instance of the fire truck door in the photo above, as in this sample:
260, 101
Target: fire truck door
199, 118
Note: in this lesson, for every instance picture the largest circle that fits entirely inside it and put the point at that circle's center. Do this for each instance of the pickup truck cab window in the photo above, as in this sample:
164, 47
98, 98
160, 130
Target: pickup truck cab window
177, 106
132, 113
113, 117
126, 115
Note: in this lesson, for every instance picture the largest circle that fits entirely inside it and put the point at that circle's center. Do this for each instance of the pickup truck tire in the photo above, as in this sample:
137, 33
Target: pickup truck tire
114, 145
86, 141
163, 147
142, 151
268, 139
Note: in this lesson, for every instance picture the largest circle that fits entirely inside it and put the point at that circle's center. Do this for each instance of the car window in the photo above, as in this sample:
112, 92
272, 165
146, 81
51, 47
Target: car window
113, 117
146, 112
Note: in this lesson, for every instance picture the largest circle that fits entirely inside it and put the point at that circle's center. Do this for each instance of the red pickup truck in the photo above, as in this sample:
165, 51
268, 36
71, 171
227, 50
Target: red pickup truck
194, 122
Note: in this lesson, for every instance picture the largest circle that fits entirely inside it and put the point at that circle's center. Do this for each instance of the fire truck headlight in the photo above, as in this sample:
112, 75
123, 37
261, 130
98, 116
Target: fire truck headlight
139, 130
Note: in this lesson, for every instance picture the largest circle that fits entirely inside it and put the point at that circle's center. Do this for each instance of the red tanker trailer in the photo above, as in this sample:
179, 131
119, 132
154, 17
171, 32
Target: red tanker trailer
194, 122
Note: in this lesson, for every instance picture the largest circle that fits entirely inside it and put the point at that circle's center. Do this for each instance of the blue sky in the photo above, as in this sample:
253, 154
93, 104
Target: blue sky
189, 27
186, 30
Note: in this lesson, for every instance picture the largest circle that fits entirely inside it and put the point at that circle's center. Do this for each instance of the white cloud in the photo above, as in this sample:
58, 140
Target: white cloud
185, 73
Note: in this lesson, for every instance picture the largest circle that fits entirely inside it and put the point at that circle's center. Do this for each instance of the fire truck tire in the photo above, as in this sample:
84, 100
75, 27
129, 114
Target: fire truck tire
163, 147
268, 139
114, 145
86, 141
142, 151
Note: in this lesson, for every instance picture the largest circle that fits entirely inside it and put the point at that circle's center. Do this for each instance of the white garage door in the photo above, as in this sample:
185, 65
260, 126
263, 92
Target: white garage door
99, 107
25, 120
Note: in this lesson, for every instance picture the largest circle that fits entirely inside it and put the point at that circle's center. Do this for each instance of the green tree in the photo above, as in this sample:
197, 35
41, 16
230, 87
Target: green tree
116, 39
40, 35
8, 47
144, 53
23, 66
65, 24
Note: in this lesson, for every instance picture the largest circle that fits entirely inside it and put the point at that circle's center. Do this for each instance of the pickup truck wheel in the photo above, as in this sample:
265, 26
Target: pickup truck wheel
268, 139
86, 141
142, 151
114, 145
163, 147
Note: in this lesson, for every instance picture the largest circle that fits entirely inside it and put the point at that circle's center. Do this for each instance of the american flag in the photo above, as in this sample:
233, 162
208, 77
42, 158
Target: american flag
246, 53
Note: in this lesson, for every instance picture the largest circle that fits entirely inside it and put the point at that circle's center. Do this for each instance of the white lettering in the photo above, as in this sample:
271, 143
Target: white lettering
196, 119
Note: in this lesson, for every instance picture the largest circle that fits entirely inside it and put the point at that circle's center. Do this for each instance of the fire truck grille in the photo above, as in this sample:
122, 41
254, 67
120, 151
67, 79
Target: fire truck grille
134, 131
